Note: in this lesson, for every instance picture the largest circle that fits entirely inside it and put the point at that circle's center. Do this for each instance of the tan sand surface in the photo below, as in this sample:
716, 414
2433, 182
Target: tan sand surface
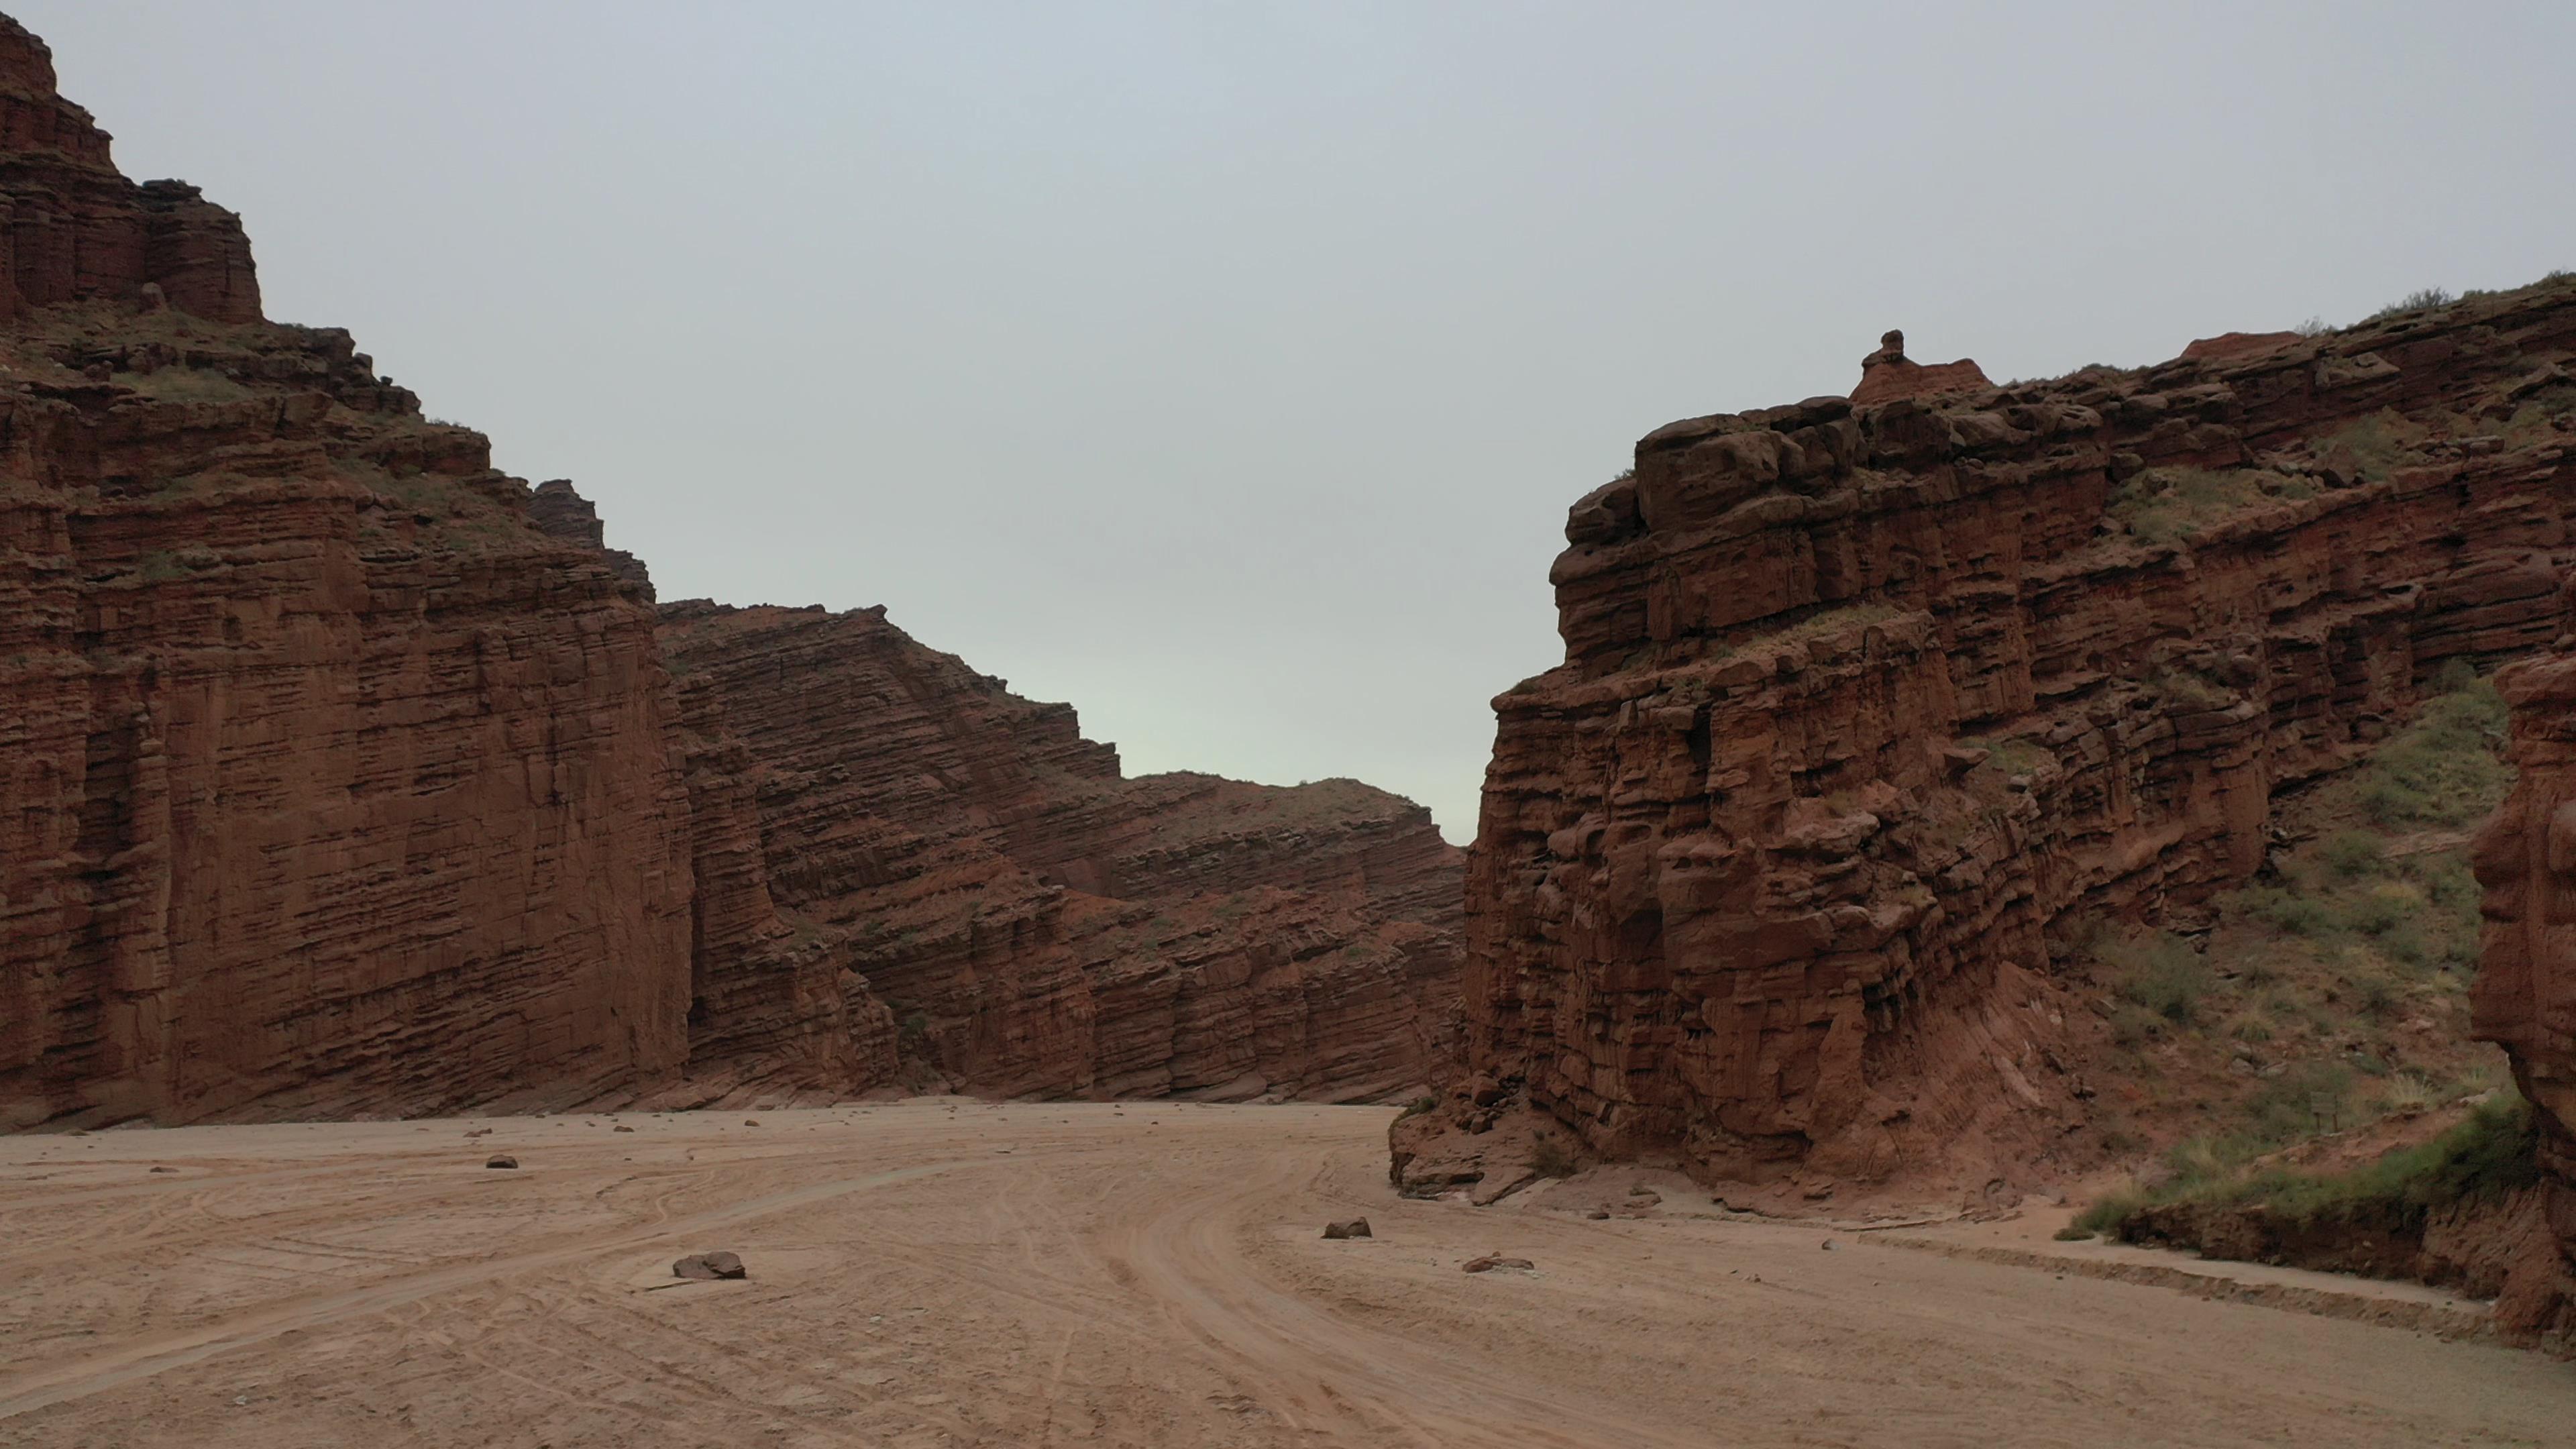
959, 1273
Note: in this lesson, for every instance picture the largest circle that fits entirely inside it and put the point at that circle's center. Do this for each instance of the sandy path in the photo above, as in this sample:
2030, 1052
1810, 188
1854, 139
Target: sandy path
964, 1274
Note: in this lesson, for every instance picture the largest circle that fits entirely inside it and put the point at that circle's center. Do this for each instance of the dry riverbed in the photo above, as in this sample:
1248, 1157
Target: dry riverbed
959, 1273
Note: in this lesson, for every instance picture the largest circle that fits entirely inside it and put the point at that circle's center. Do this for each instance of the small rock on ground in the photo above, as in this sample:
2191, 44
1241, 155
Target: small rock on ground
1491, 1261
502, 1159
709, 1265
1355, 1228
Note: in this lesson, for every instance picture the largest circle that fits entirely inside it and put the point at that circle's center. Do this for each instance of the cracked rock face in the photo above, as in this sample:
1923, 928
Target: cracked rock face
1865, 705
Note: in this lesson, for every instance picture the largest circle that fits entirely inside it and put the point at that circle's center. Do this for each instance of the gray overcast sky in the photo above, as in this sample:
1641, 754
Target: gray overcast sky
1226, 370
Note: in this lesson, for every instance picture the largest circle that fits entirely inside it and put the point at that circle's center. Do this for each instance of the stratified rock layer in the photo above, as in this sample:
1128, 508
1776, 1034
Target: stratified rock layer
2524, 998
1034, 922
332, 784
1864, 706
73, 229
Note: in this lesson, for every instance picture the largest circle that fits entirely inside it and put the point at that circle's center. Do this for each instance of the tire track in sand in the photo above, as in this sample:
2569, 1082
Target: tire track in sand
40, 1387
1336, 1377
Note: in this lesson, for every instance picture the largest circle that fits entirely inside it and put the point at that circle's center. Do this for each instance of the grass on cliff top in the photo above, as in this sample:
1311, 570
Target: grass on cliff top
2491, 1152
2333, 988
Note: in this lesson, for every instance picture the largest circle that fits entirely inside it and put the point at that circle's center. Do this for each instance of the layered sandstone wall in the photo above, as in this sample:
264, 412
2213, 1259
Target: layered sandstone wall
333, 786
2524, 998
1037, 923
1865, 705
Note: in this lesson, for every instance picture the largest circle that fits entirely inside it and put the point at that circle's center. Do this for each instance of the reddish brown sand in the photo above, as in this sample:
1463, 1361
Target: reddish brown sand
937, 1273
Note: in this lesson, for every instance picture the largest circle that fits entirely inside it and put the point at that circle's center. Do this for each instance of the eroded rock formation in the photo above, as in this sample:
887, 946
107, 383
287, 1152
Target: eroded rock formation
1034, 922
1864, 706
1888, 374
2524, 998
73, 229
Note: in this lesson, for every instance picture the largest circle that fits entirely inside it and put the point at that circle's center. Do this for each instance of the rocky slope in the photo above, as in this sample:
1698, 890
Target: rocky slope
1034, 922
344, 773
1868, 706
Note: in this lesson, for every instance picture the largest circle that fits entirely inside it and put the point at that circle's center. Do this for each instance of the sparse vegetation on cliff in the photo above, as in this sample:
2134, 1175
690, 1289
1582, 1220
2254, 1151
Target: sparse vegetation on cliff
2416, 301
2490, 1152
2332, 990
2168, 505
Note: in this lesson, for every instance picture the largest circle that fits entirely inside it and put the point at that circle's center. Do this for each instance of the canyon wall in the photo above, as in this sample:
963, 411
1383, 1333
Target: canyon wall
965, 861
341, 773
2525, 995
332, 785
1866, 706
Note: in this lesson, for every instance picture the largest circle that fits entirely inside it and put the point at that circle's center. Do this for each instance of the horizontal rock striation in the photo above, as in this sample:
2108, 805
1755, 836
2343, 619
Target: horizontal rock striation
341, 773
1036, 923
333, 785
2524, 998
1864, 707
73, 228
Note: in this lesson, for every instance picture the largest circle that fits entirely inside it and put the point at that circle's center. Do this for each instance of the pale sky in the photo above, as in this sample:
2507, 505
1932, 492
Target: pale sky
1226, 370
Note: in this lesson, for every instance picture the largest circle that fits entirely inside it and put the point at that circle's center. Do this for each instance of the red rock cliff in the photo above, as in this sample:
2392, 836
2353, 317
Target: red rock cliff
1862, 705
331, 784
1034, 922
2525, 994
72, 228
343, 772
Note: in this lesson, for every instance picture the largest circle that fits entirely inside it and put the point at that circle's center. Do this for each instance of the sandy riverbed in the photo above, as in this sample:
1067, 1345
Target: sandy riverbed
934, 1273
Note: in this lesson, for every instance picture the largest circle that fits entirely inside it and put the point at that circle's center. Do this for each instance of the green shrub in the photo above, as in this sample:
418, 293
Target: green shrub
2160, 972
2414, 301
2354, 853
2446, 769
2133, 1025
1418, 1106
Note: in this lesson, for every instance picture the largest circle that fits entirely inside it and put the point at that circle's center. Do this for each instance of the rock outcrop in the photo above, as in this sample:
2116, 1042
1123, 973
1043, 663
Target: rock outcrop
966, 861
1888, 374
2524, 998
1865, 706
559, 511
73, 229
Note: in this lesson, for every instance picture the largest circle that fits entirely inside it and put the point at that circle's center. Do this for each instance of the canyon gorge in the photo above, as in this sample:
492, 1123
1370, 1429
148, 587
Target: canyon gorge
348, 776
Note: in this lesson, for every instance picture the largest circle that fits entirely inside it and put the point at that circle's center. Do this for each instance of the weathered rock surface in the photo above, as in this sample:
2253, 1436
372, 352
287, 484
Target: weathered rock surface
559, 511
1888, 374
962, 862
332, 785
72, 228
2524, 998
1864, 706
